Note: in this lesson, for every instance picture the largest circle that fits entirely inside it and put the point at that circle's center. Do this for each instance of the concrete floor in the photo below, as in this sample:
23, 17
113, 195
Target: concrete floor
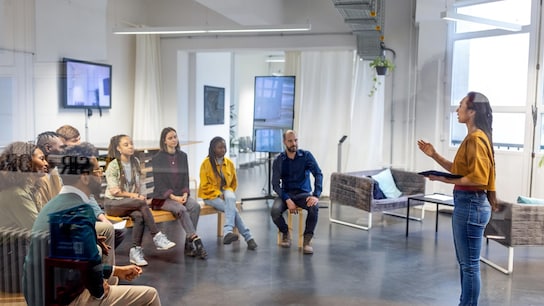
349, 266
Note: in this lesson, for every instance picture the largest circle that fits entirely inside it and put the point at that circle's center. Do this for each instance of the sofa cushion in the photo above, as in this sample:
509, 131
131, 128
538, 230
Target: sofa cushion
387, 184
528, 200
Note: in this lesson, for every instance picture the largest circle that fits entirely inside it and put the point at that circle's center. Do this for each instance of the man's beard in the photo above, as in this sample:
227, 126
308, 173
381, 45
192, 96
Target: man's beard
95, 187
292, 149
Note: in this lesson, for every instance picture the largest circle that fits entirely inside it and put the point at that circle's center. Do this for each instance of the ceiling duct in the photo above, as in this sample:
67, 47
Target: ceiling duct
366, 19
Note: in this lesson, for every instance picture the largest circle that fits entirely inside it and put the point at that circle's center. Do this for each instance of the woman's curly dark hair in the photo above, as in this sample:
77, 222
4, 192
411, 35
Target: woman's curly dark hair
15, 164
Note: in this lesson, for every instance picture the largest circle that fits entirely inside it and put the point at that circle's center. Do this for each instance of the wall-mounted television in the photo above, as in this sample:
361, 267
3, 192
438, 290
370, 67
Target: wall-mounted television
273, 111
86, 84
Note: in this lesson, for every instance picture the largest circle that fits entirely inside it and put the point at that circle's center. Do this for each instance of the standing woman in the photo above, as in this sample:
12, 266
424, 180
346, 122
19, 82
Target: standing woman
125, 196
217, 185
171, 189
474, 193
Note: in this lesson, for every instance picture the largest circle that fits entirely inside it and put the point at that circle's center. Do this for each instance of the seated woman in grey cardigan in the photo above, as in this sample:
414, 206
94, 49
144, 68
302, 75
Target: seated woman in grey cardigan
171, 190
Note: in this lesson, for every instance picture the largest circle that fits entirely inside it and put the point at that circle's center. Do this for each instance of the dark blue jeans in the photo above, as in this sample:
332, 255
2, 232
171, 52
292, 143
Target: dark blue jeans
279, 207
471, 214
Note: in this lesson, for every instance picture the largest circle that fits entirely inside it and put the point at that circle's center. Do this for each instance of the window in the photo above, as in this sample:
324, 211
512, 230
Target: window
495, 63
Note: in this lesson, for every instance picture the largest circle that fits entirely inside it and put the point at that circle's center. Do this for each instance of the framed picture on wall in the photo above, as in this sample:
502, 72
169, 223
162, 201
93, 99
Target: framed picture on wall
214, 105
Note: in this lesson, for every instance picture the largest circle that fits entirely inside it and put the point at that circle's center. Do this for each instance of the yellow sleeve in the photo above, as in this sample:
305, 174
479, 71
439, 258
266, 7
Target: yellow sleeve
208, 189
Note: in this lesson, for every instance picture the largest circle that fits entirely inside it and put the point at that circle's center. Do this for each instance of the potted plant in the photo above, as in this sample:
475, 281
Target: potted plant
381, 64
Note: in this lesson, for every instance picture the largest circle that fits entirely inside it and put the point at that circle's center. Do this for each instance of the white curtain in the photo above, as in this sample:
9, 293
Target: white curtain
330, 110
147, 84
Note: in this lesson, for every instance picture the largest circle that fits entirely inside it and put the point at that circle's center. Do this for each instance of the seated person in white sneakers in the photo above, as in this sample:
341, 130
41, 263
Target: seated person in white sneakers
125, 196
291, 181
80, 182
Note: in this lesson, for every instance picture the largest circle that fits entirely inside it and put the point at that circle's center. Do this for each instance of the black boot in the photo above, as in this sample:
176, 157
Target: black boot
189, 248
200, 251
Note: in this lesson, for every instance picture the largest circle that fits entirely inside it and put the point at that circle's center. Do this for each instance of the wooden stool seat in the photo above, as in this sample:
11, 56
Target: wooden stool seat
290, 226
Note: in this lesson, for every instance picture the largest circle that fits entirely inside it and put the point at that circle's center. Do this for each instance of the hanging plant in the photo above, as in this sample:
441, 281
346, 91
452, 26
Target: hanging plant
381, 64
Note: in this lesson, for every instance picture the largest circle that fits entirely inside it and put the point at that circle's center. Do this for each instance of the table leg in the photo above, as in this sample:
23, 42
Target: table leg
407, 216
436, 220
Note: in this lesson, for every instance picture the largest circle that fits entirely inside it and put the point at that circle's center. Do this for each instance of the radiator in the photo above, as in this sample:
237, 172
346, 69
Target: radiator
14, 245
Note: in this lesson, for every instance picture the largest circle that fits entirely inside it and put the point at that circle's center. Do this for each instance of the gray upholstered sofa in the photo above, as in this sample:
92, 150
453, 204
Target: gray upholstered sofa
356, 189
515, 225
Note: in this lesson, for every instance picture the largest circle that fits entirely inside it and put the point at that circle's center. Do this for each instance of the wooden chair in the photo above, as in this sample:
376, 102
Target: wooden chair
54, 297
290, 225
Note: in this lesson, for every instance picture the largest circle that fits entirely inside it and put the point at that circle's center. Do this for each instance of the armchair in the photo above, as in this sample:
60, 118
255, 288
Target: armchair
515, 225
356, 189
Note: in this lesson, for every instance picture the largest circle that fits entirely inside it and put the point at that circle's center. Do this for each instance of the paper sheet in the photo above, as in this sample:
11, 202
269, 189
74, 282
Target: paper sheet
120, 225
440, 197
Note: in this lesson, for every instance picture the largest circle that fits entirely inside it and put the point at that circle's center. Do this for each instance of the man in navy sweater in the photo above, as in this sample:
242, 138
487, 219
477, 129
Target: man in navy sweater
291, 181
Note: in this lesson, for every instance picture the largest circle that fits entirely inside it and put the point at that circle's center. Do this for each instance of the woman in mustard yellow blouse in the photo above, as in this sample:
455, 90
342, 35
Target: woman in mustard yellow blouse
474, 192
218, 183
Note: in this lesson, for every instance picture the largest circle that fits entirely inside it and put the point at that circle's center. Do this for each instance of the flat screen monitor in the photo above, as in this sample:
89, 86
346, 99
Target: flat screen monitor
270, 140
86, 84
274, 103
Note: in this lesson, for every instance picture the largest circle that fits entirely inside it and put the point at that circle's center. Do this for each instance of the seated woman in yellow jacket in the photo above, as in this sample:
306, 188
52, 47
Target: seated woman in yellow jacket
218, 183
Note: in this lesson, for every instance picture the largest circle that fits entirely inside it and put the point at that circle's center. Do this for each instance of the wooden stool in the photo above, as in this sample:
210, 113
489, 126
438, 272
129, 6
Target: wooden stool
290, 226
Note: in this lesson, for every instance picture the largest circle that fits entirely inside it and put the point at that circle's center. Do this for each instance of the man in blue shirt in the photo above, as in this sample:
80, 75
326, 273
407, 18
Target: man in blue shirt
291, 181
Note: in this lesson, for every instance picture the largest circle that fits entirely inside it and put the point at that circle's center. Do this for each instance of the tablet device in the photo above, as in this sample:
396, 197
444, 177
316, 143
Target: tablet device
439, 173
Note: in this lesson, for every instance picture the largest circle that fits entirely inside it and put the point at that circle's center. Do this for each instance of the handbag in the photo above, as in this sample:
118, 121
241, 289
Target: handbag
73, 234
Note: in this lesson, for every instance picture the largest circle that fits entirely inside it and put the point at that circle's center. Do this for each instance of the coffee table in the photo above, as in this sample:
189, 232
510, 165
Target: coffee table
437, 198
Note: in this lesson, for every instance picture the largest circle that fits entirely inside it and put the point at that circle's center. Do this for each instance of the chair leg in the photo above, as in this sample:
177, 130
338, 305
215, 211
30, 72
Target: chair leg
290, 226
300, 229
220, 223
333, 220
507, 270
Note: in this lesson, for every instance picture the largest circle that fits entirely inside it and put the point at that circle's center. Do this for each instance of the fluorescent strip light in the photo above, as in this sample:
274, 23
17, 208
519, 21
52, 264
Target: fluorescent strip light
275, 60
219, 30
452, 16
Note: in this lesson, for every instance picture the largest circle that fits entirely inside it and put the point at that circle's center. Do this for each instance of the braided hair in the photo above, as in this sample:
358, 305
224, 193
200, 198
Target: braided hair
115, 155
211, 154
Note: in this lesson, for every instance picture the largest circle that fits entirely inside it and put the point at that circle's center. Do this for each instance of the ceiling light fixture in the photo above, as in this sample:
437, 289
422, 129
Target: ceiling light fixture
275, 59
213, 30
453, 16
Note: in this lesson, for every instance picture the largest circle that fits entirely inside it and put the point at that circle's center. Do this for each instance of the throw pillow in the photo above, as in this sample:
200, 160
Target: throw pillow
387, 184
527, 200
377, 192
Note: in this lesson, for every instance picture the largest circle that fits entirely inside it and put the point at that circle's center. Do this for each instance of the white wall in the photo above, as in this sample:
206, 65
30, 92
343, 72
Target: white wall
56, 29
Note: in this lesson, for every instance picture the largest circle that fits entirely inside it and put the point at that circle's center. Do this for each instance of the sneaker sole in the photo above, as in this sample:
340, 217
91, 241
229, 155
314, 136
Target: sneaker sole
141, 264
167, 247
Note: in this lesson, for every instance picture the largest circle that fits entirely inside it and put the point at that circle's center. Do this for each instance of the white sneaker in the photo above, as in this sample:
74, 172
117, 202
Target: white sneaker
137, 256
162, 243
